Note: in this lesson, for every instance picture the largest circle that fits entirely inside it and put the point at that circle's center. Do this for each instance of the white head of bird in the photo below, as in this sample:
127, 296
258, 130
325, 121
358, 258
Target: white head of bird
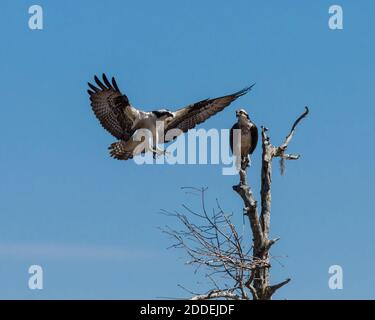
242, 115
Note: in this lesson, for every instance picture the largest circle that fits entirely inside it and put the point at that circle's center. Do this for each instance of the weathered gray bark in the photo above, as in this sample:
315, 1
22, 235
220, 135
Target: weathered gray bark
258, 282
213, 242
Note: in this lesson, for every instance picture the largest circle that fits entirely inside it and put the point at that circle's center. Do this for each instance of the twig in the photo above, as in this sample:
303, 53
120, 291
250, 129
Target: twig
214, 294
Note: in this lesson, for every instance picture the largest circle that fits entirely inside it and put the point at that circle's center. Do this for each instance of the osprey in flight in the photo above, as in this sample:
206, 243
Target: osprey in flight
245, 144
122, 120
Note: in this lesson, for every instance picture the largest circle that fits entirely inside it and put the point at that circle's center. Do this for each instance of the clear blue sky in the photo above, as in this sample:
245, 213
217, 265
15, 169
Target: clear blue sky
92, 222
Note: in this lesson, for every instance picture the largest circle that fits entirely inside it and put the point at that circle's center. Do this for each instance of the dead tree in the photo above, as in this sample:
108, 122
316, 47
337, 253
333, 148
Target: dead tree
214, 242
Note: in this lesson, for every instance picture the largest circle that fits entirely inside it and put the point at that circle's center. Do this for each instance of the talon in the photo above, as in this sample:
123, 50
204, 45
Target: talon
156, 151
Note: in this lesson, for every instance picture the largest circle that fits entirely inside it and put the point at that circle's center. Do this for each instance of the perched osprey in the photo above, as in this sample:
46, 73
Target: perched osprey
249, 138
122, 120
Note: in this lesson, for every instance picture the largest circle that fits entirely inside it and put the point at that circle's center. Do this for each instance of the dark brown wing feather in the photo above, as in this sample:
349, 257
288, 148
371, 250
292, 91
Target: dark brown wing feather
124, 150
194, 114
109, 106
120, 151
235, 126
254, 138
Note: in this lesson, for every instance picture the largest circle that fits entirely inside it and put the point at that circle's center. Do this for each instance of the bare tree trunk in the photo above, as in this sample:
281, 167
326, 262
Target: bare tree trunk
213, 242
258, 283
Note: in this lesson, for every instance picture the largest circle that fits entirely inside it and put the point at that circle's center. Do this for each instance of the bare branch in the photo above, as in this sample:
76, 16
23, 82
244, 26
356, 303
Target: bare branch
272, 289
280, 150
214, 294
250, 207
304, 114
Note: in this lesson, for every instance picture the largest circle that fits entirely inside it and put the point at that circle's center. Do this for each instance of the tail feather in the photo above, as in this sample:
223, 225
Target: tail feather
119, 151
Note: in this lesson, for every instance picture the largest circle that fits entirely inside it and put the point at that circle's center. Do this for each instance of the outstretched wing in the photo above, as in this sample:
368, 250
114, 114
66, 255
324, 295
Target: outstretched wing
194, 114
112, 109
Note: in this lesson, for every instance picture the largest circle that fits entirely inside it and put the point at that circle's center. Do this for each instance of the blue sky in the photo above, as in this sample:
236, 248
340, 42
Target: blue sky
92, 222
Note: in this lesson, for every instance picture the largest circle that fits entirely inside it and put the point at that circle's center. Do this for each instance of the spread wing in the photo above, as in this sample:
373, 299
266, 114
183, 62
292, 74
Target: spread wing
112, 109
194, 114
